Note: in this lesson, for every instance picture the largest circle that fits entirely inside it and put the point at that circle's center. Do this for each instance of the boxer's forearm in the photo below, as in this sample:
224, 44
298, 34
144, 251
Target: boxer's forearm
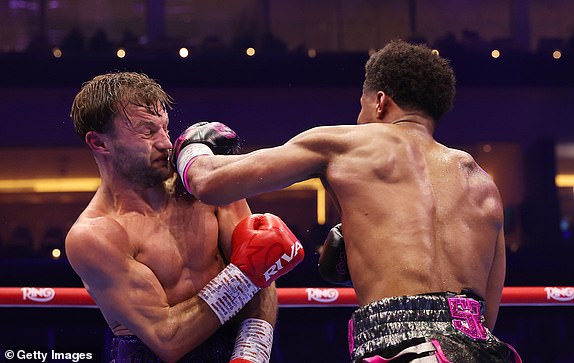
220, 180
183, 328
210, 179
263, 306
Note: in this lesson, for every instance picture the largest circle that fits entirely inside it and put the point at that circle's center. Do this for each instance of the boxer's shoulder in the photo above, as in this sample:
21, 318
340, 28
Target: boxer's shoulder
95, 237
328, 140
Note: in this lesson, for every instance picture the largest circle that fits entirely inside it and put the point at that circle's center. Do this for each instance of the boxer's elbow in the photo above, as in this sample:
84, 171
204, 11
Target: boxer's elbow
167, 345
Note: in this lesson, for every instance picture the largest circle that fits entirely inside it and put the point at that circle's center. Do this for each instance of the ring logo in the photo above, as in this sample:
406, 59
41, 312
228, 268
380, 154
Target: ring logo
41, 294
322, 295
559, 293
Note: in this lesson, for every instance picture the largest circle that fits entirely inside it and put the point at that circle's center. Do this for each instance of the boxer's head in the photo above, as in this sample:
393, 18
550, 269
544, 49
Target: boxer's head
414, 77
101, 98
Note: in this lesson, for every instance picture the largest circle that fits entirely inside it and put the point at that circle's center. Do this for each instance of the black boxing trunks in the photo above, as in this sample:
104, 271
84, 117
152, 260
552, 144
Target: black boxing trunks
217, 349
438, 327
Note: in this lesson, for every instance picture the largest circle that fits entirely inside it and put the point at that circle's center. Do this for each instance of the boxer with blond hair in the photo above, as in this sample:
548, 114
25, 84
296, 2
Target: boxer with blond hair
168, 272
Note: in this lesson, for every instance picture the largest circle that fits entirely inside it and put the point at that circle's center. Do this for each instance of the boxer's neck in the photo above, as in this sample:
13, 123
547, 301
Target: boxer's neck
415, 121
129, 198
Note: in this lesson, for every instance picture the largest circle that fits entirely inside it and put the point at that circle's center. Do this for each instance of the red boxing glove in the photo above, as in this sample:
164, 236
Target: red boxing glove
264, 248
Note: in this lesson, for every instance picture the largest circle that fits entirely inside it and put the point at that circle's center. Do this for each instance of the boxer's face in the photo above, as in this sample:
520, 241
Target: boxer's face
141, 145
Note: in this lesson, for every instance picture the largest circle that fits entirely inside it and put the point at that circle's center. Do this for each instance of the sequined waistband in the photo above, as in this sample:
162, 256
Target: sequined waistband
393, 320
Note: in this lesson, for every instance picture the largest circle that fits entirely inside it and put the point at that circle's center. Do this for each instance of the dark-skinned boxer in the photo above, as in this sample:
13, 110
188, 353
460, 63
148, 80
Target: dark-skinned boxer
422, 222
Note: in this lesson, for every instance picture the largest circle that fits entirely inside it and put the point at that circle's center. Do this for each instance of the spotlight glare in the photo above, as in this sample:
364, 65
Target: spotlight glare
557, 54
56, 253
183, 52
250, 51
495, 53
57, 52
121, 53
435, 52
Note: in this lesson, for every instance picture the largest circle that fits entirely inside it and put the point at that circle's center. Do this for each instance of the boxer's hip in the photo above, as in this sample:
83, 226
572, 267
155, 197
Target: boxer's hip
391, 325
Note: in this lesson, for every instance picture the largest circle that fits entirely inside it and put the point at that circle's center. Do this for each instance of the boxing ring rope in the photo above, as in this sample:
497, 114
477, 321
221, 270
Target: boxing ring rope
76, 297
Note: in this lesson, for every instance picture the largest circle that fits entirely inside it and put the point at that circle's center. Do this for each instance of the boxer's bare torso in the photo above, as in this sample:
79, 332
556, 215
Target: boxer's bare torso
417, 217
175, 248
176, 245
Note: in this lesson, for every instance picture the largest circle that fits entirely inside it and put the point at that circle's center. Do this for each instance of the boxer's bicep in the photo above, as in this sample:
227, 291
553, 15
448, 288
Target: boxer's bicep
126, 290
228, 216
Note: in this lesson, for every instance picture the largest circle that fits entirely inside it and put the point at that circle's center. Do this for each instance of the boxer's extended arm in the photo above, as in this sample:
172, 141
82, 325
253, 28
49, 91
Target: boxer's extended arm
495, 281
222, 179
128, 291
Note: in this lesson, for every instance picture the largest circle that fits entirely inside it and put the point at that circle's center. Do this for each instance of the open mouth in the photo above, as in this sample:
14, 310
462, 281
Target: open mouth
162, 161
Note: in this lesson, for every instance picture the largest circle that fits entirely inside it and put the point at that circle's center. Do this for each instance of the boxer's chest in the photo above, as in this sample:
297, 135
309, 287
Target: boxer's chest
180, 248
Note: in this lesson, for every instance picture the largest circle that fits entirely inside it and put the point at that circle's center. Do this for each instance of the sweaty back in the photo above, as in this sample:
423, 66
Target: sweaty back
422, 217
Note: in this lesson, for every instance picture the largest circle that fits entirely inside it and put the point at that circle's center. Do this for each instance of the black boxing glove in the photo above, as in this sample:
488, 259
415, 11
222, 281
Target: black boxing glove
333, 258
219, 137
202, 138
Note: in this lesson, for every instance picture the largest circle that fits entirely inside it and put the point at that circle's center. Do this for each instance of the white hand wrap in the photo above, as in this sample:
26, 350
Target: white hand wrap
187, 156
228, 292
254, 341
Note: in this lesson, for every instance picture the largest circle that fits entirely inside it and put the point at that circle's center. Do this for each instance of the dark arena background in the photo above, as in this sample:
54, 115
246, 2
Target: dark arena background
271, 69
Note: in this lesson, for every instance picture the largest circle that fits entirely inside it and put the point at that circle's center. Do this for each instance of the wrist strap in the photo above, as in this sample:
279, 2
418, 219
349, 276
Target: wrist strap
187, 156
254, 342
228, 292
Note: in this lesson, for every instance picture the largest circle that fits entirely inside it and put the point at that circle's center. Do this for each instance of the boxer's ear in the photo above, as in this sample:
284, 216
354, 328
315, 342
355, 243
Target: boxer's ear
96, 142
382, 104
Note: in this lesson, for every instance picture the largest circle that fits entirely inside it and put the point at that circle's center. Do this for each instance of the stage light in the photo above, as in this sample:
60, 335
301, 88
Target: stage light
57, 52
250, 51
121, 53
495, 53
316, 185
557, 54
56, 253
49, 185
564, 180
183, 52
312, 53
68, 185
